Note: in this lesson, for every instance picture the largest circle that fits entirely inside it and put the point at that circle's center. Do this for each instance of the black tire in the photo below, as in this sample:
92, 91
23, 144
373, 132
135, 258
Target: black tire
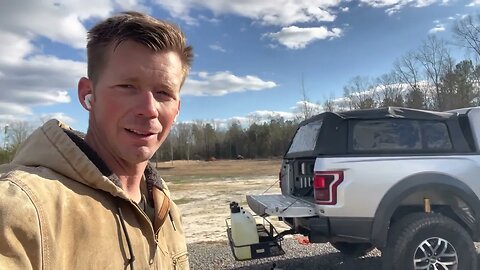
352, 249
407, 235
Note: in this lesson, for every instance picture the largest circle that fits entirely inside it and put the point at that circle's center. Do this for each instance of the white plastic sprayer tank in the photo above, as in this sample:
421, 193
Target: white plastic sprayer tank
244, 231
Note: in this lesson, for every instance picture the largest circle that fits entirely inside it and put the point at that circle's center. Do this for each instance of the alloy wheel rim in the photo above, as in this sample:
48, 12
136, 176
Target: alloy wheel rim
435, 253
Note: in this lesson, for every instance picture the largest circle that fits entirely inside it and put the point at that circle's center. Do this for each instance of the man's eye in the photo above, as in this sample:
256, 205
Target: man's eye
125, 85
164, 94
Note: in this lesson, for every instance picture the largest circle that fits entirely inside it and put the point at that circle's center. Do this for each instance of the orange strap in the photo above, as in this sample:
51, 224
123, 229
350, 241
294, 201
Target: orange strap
162, 206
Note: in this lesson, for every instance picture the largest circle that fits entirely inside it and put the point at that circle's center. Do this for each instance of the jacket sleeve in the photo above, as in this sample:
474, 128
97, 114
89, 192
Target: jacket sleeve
20, 238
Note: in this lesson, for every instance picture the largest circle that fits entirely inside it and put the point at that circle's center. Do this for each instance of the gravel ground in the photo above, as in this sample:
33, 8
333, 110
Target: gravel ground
209, 256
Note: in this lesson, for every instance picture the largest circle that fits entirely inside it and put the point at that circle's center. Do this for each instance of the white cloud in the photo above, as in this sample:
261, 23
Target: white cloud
267, 115
222, 83
216, 47
280, 12
39, 80
285, 13
132, 5
394, 6
425, 3
437, 28
211, 20
474, 3
12, 109
300, 105
33, 121
14, 47
294, 37
32, 79
305, 106
382, 3
62, 117
29, 77
61, 22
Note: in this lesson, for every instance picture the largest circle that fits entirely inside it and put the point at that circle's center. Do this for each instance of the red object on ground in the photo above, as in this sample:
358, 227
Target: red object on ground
302, 240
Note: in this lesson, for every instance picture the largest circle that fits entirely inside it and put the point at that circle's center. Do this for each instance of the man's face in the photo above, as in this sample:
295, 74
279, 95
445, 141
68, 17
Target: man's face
136, 100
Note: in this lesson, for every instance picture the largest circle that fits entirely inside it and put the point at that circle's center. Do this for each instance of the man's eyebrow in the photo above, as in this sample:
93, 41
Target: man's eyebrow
163, 83
167, 84
130, 79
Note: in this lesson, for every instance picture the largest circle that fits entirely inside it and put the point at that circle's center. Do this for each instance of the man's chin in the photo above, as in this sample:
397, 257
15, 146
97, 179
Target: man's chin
139, 156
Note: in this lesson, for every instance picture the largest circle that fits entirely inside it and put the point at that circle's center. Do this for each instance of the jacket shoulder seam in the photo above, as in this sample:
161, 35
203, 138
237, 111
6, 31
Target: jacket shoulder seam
14, 178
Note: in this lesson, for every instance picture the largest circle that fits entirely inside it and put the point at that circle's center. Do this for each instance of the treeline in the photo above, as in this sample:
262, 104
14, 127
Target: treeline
200, 140
427, 77
14, 134
424, 78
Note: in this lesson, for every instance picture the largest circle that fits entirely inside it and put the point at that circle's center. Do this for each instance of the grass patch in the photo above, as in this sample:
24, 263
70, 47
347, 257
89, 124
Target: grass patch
190, 179
184, 201
182, 171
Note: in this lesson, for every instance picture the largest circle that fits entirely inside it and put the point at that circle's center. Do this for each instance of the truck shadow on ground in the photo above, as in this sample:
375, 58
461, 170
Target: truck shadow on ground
333, 261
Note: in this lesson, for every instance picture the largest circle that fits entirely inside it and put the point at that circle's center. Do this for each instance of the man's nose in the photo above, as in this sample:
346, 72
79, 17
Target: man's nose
147, 105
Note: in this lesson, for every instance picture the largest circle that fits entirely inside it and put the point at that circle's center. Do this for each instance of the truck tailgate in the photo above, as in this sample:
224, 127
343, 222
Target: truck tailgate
280, 205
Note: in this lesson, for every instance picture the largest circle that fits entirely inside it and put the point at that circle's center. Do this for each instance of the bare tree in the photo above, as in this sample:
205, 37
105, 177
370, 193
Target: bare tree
407, 70
329, 105
306, 108
16, 133
184, 132
389, 90
359, 92
467, 32
436, 61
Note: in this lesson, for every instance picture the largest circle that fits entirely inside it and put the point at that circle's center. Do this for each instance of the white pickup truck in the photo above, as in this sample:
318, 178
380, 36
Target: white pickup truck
405, 181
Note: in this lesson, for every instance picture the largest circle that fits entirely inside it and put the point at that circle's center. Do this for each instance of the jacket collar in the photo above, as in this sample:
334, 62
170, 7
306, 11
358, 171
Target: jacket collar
62, 149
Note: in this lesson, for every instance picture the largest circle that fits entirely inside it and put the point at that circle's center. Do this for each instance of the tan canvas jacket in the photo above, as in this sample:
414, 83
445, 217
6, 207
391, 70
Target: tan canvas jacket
58, 210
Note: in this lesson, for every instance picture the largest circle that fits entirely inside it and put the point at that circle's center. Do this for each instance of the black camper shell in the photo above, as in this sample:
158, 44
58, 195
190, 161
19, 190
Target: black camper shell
335, 135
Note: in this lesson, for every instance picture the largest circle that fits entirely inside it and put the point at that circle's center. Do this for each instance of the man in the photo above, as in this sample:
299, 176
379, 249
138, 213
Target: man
69, 202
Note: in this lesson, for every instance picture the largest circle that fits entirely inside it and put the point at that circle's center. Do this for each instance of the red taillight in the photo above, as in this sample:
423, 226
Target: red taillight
325, 186
319, 182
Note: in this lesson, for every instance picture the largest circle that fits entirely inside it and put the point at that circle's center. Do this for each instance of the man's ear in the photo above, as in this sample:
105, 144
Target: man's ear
85, 88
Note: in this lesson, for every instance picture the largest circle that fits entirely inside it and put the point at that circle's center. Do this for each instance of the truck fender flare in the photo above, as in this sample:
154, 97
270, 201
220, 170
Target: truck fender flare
418, 182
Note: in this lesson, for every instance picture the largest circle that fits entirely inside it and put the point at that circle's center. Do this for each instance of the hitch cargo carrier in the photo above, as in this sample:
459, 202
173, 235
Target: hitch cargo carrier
269, 244
280, 205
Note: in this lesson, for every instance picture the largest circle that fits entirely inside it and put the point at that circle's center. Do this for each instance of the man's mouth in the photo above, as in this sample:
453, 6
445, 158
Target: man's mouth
139, 133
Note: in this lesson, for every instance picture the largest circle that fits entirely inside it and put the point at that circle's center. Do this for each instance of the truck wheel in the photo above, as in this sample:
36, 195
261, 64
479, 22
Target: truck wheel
429, 241
352, 249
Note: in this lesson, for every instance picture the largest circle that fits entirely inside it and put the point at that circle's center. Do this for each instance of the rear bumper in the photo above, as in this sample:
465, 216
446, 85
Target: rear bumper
322, 229
302, 216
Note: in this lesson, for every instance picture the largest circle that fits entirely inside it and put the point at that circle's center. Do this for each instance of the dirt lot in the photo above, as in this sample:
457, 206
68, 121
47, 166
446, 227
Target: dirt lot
203, 191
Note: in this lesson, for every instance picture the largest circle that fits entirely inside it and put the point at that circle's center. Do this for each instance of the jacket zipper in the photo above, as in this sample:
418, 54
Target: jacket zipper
144, 215
171, 220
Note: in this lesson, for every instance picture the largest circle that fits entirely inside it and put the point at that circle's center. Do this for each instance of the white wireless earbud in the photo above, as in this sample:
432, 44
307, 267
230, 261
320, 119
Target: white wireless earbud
175, 119
88, 101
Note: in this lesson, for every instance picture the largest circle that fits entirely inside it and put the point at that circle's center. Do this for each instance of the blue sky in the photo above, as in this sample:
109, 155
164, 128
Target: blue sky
250, 56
